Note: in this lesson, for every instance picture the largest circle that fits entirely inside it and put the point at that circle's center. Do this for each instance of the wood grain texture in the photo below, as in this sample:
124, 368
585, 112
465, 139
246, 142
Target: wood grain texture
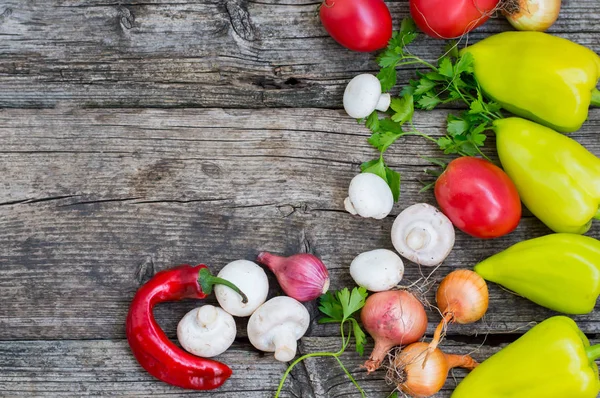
212, 53
70, 368
95, 201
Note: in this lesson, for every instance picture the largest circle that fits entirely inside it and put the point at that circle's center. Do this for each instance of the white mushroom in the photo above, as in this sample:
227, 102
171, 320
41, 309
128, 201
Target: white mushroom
206, 331
363, 95
276, 325
369, 196
377, 270
423, 234
251, 279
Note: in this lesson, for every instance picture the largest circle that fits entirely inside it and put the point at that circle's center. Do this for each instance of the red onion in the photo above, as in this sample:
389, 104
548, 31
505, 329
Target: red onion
301, 276
392, 318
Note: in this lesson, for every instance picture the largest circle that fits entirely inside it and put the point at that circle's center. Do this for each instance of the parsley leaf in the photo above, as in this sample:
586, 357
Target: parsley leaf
378, 167
375, 166
445, 67
387, 78
360, 338
340, 307
425, 85
464, 64
372, 122
404, 108
382, 140
429, 101
393, 180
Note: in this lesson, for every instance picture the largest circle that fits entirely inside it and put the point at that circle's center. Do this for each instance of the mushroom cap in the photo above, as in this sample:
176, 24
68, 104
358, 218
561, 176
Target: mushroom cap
362, 95
206, 331
423, 234
369, 196
251, 279
377, 270
279, 321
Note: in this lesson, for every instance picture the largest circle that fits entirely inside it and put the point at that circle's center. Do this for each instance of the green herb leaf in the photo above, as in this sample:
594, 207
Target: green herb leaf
464, 64
330, 306
388, 59
372, 122
360, 338
377, 167
429, 101
476, 107
393, 180
388, 124
445, 143
382, 140
456, 126
404, 108
425, 85
352, 302
445, 67
387, 78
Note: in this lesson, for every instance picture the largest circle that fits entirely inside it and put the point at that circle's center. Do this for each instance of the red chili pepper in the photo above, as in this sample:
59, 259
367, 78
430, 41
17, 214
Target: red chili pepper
151, 346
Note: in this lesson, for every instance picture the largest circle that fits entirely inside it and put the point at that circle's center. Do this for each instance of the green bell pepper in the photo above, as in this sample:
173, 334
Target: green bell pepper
553, 359
538, 76
557, 178
557, 271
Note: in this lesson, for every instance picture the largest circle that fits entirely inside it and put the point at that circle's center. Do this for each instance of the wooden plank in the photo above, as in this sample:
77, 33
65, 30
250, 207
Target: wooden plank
68, 368
234, 53
95, 201
106, 368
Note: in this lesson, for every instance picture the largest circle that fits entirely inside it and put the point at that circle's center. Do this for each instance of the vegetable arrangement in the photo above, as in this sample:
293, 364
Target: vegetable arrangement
548, 83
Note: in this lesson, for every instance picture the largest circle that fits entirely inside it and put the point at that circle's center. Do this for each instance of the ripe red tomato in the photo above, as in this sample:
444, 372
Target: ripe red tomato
478, 197
447, 19
359, 25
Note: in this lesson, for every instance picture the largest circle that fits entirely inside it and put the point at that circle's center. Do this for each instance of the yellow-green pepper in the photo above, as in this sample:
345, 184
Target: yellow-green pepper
557, 271
557, 178
538, 76
553, 359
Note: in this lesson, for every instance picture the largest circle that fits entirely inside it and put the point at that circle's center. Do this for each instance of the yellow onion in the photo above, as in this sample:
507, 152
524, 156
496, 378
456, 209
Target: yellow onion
420, 373
462, 297
536, 15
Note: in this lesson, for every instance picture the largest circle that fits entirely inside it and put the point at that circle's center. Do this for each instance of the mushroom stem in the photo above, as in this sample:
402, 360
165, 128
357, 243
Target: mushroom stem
384, 102
206, 316
349, 207
418, 238
285, 345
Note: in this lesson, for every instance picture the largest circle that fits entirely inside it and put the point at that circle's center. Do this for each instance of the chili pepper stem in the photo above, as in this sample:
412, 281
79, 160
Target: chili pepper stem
207, 280
593, 352
595, 97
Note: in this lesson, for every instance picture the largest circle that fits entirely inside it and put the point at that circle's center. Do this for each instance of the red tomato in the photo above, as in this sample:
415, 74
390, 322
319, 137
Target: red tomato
359, 25
447, 19
478, 197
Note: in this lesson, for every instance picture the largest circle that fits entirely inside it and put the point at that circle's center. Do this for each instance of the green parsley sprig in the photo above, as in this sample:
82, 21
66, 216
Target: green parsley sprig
450, 80
339, 307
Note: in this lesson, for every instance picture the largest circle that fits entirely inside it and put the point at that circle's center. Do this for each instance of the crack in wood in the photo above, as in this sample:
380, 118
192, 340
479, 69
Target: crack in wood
145, 270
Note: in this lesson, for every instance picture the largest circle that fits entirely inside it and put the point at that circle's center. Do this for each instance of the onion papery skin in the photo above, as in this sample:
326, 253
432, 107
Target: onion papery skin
532, 15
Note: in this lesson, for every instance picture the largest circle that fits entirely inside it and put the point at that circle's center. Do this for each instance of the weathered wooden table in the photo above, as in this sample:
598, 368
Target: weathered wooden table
135, 136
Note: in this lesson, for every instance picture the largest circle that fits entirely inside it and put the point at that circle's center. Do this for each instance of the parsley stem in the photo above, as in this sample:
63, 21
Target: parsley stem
336, 355
415, 60
362, 392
